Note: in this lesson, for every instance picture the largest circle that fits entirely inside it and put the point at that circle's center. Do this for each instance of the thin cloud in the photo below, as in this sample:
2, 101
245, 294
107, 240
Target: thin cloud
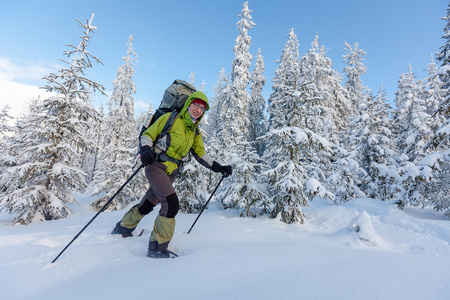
17, 95
11, 71
15, 88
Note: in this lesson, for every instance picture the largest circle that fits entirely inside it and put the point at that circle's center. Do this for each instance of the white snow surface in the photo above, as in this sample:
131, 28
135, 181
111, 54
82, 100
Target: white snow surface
228, 257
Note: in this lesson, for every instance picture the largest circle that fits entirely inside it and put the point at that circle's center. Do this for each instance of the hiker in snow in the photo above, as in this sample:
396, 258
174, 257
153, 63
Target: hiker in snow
163, 160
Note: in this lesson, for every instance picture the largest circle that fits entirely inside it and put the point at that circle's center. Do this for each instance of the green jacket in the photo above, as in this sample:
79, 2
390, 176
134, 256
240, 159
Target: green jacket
181, 138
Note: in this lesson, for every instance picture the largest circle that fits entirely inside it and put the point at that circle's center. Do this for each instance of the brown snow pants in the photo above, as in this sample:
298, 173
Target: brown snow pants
160, 191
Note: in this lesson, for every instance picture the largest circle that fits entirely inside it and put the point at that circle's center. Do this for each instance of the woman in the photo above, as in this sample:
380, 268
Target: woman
163, 157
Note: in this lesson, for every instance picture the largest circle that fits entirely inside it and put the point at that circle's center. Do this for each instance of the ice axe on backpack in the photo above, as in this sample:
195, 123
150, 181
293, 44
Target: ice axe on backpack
100, 211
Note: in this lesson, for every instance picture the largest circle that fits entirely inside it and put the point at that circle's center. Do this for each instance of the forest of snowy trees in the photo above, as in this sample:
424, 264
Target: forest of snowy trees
320, 134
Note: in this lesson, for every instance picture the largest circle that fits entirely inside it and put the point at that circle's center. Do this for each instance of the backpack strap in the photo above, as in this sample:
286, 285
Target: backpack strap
169, 124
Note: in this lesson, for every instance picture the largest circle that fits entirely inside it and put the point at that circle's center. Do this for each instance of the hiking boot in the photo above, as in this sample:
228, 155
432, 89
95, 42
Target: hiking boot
125, 232
158, 253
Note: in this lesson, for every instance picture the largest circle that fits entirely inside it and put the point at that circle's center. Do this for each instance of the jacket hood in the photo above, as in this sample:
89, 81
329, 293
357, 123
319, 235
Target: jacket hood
192, 97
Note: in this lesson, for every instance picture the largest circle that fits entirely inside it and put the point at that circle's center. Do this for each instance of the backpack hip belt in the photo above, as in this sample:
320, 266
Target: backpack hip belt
164, 157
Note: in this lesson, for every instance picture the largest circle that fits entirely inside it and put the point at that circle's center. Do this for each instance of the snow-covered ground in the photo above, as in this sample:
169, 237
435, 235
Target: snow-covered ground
365, 249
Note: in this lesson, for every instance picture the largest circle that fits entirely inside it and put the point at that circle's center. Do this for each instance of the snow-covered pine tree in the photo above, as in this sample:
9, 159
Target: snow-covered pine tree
39, 186
434, 95
191, 188
192, 78
215, 127
346, 176
375, 148
287, 153
437, 163
5, 128
89, 160
413, 130
4, 118
245, 189
437, 184
284, 81
411, 121
289, 145
444, 55
119, 149
353, 70
202, 87
328, 111
258, 122
236, 111
215, 123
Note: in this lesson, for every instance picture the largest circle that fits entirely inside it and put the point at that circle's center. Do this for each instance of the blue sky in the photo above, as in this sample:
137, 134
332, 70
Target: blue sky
175, 38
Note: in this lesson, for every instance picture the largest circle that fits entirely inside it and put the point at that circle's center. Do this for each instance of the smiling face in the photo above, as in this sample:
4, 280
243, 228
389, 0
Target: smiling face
197, 109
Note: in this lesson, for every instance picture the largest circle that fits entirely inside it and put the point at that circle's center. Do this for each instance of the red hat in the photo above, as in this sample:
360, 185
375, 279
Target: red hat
200, 101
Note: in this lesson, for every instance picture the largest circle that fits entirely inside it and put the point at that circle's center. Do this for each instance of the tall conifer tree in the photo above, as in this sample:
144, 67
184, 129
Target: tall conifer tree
120, 147
289, 144
39, 186
258, 123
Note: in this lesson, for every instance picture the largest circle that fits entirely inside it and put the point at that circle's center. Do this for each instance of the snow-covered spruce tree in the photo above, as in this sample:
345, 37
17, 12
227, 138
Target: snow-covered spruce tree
375, 148
356, 93
192, 78
413, 131
285, 81
289, 145
4, 118
5, 128
89, 161
346, 176
353, 70
258, 122
215, 126
236, 111
215, 123
191, 188
39, 186
434, 95
411, 121
444, 55
437, 184
288, 151
245, 189
328, 112
15, 151
119, 149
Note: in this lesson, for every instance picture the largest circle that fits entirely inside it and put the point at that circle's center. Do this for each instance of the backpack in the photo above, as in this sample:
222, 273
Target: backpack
173, 100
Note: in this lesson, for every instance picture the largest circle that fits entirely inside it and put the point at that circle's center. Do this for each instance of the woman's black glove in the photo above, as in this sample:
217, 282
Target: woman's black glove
147, 156
225, 170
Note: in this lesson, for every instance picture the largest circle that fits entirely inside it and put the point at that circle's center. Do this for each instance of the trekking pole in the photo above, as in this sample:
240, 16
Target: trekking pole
206, 204
100, 211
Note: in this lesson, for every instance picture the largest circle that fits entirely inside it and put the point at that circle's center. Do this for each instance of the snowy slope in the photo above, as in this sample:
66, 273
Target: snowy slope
365, 249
